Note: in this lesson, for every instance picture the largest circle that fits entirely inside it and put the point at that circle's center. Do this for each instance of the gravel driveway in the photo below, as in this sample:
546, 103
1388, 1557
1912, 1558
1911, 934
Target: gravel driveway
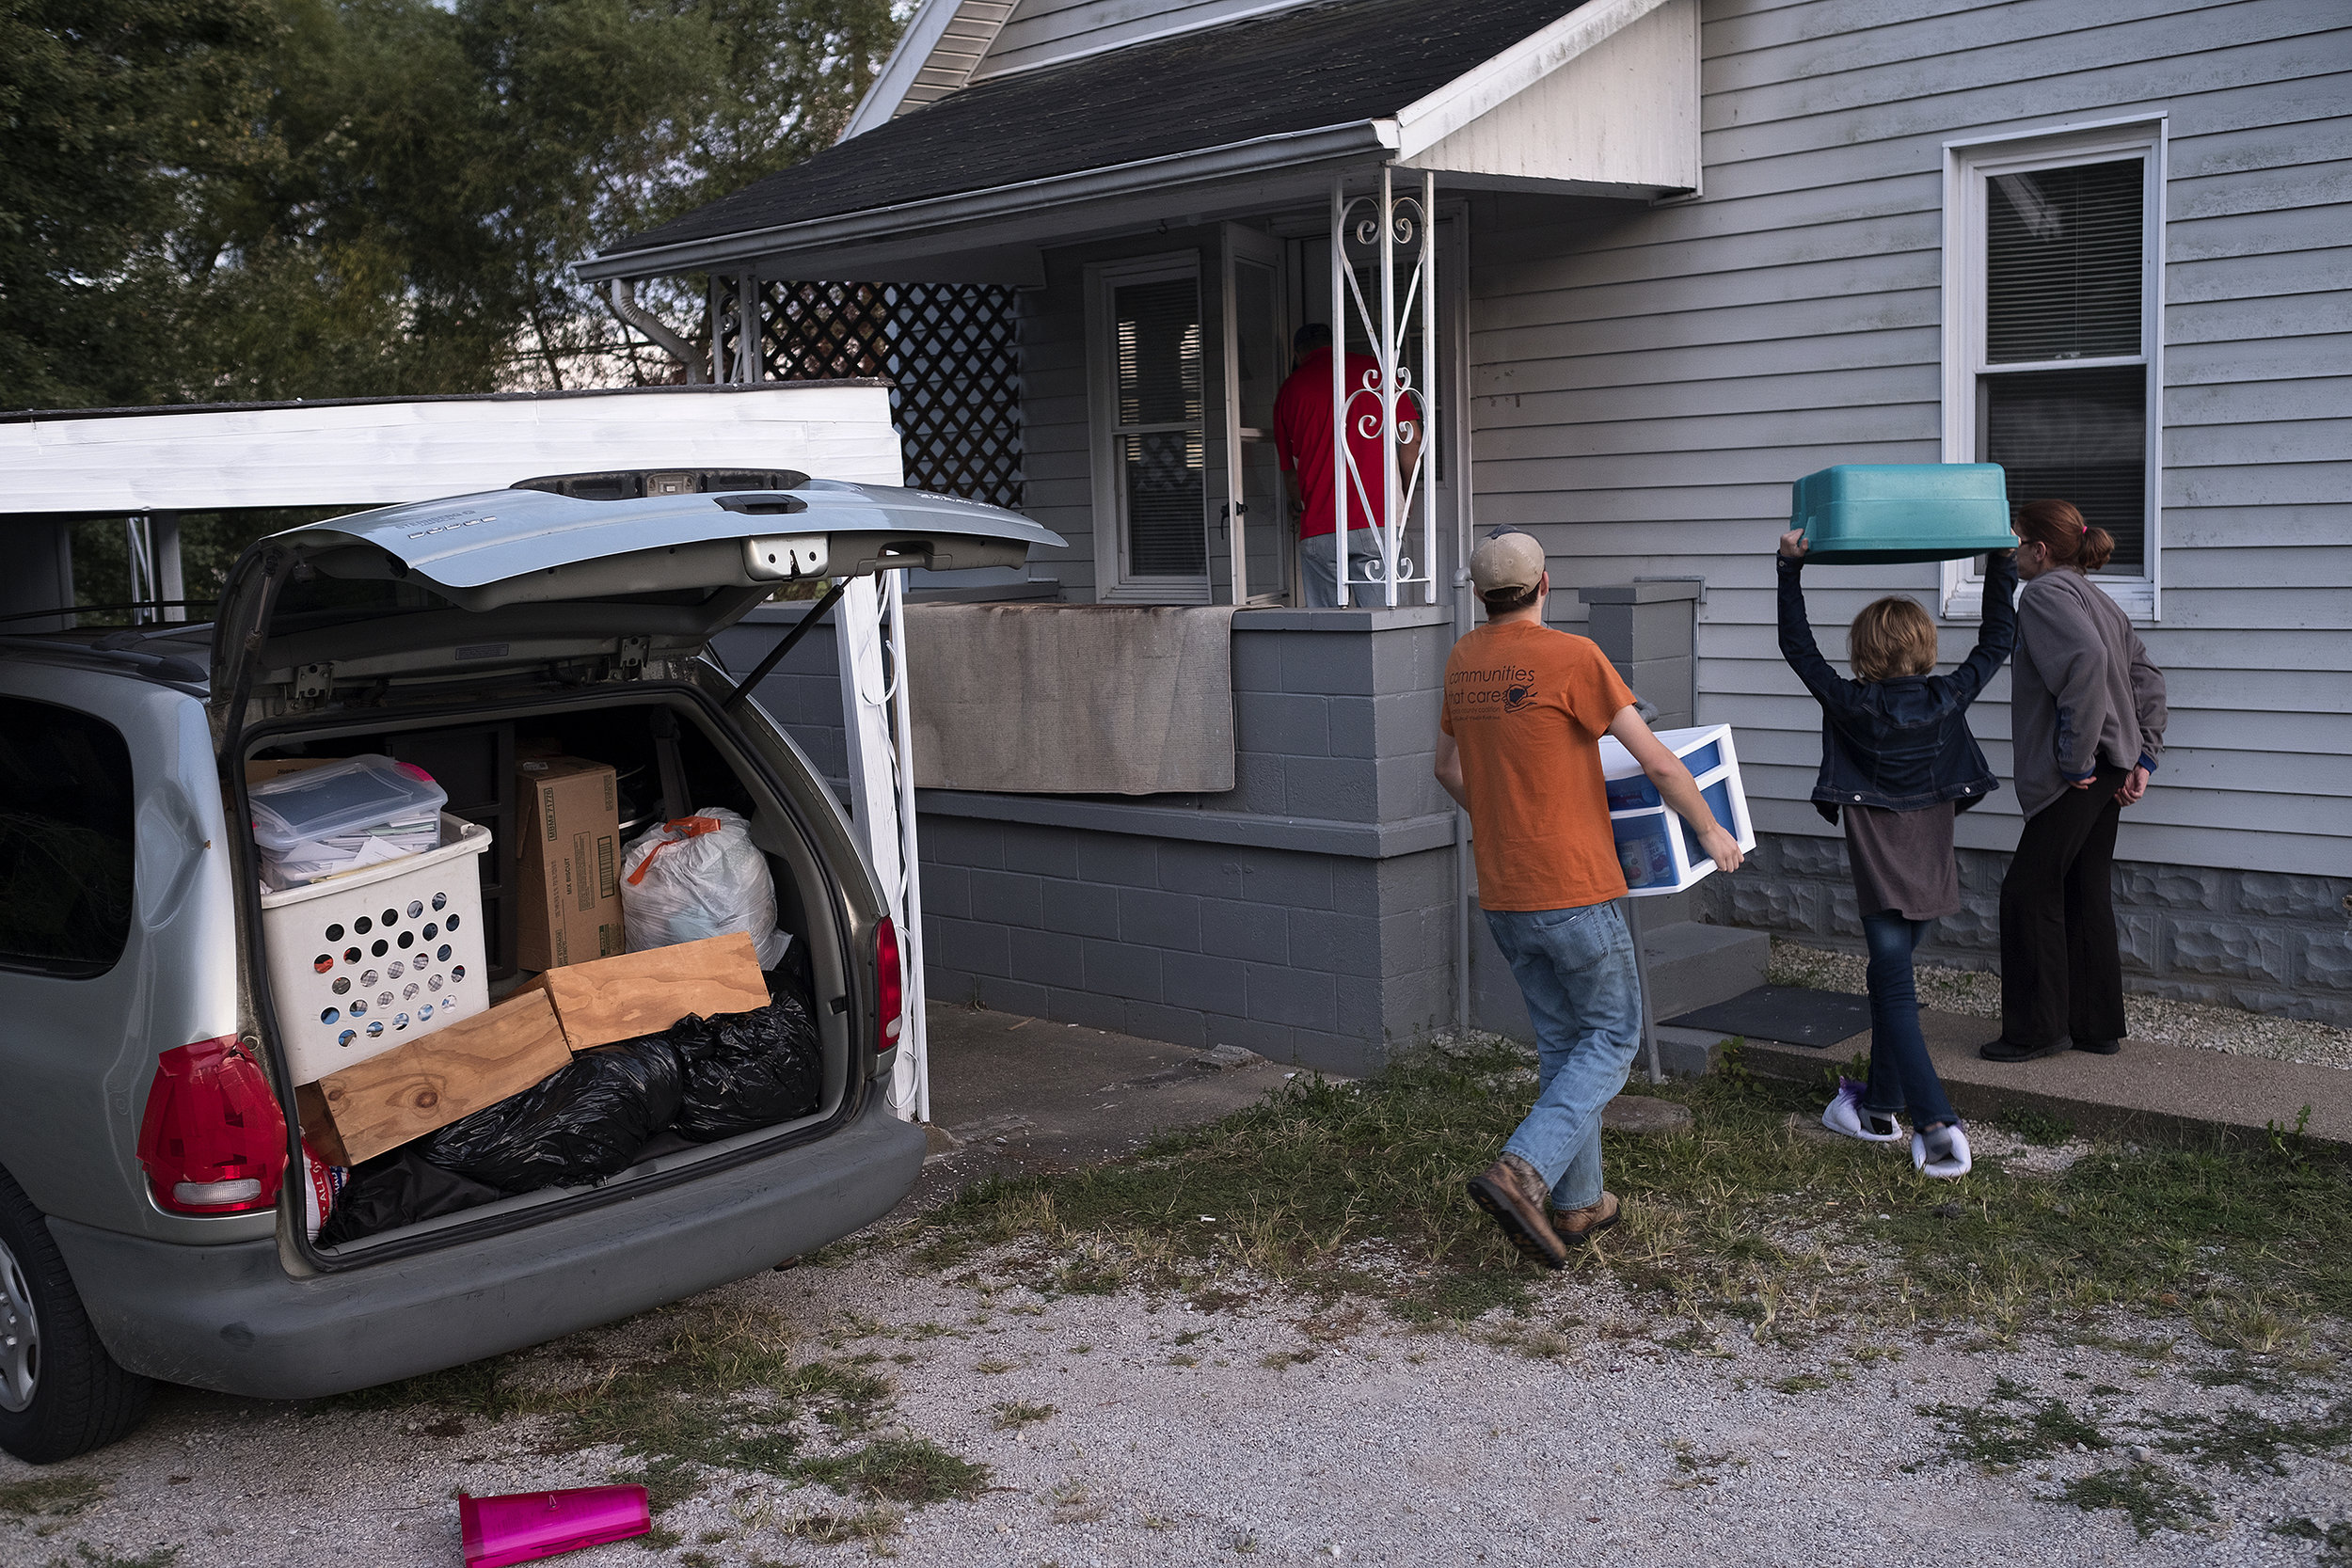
1126, 1429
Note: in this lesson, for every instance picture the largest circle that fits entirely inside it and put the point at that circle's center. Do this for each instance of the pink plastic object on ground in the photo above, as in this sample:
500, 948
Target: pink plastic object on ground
524, 1526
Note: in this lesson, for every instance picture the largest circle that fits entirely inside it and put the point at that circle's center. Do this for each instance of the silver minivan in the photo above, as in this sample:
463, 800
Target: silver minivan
169, 1243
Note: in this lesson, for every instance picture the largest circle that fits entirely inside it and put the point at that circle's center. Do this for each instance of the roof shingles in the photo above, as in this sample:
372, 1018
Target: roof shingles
1327, 65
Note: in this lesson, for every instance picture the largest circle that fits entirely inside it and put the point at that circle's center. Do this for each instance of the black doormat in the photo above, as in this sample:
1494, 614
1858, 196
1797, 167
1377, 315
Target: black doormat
1792, 1015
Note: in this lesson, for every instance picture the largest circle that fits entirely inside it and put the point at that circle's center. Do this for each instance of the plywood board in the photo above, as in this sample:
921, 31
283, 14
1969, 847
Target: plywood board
623, 997
318, 1128
414, 1088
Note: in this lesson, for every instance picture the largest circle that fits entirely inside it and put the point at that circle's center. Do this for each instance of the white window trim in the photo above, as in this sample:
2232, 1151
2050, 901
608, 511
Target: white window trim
1968, 166
1113, 584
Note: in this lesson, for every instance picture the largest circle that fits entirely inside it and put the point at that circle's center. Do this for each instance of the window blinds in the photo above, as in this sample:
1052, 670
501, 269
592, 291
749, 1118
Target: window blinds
2063, 263
1159, 352
1157, 335
2077, 436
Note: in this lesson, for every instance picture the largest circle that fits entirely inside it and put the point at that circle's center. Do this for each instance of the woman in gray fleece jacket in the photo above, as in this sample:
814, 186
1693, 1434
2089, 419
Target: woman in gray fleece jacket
2087, 718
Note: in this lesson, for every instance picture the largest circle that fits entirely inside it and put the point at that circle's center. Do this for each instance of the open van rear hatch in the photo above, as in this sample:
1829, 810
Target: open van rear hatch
536, 576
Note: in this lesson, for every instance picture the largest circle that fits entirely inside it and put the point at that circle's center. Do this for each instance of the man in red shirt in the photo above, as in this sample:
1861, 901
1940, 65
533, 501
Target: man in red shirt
1302, 447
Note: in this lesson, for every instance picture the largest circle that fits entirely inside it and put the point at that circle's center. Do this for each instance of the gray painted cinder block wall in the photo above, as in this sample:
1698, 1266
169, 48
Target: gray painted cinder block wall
1327, 959
2263, 941
1649, 631
1306, 913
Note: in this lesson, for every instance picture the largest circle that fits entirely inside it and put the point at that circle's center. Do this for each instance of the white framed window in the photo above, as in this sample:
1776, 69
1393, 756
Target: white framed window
2053, 336
1145, 365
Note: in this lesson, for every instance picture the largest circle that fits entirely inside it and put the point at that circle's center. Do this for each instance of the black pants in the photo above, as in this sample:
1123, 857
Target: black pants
2061, 975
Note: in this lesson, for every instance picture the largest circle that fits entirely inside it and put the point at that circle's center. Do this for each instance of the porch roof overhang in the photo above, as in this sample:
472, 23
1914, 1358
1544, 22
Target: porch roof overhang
1255, 115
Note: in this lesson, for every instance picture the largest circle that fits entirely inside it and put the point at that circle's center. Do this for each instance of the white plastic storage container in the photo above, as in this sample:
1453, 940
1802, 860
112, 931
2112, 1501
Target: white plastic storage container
338, 797
1657, 851
360, 963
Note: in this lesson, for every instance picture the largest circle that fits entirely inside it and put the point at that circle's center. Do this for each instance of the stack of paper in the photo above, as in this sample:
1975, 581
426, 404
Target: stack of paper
312, 860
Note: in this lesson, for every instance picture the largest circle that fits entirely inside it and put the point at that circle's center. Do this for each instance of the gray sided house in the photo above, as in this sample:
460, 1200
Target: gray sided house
1647, 262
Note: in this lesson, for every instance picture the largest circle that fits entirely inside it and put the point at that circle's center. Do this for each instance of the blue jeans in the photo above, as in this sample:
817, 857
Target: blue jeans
1900, 1074
1575, 967
1319, 558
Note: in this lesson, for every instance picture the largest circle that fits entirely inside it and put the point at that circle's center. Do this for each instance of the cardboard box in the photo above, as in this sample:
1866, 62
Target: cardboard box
643, 993
421, 1087
568, 856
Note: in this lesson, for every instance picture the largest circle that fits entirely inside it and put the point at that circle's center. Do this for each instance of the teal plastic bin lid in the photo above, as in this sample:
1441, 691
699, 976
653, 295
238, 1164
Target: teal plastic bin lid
1863, 513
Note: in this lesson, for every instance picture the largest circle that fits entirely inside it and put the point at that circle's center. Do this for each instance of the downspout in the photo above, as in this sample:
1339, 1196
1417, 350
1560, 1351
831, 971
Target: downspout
1465, 618
626, 307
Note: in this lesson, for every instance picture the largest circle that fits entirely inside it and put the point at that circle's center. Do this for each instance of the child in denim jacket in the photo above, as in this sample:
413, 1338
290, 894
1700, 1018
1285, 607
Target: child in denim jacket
1898, 764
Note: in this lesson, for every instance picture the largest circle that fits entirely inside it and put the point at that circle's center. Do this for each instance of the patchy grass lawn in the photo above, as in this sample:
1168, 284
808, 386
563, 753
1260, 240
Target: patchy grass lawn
718, 1390
1352, 1196
2016, 1428
1357, 1188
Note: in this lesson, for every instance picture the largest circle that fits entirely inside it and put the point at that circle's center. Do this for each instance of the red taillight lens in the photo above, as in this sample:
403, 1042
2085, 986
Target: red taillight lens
213, 1140
891, 1017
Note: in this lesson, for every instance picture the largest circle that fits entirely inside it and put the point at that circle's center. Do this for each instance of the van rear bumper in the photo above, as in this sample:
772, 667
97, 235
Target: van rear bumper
230, 1318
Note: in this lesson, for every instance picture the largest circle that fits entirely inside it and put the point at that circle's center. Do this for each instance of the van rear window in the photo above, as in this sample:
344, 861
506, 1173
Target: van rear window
66, 840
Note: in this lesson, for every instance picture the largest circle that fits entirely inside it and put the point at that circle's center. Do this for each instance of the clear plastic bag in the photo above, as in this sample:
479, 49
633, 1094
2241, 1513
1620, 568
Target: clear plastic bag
697, 877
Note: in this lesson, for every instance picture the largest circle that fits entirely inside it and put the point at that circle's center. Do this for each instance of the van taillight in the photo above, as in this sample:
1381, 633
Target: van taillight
891, 1016
213, 1140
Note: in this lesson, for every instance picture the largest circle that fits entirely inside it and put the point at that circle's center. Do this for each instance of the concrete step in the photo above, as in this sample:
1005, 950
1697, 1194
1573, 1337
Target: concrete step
1690, 965
2152, 1089
1693, 965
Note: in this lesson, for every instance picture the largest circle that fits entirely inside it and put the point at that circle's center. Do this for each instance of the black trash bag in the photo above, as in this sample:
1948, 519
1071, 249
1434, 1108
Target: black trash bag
748, 1070
580, 1123
398, 1189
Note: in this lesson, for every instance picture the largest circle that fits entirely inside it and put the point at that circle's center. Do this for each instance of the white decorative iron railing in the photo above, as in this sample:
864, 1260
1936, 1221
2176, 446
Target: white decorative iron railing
1397, 230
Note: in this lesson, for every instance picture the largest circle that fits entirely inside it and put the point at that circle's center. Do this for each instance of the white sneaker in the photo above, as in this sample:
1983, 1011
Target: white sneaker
1942, 1153
1845, 1114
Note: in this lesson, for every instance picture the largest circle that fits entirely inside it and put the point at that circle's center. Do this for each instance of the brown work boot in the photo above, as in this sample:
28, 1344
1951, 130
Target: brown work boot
1513, 1192
1581, 1225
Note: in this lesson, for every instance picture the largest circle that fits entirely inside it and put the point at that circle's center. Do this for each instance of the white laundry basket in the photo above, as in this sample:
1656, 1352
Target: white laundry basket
362, 963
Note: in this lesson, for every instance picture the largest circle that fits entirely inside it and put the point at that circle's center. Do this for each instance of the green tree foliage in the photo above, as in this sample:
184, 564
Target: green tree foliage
229, 200
114, 111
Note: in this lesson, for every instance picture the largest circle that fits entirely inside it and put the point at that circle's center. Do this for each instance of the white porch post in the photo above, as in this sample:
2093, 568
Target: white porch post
1385, 355
1428, 471
1342, 462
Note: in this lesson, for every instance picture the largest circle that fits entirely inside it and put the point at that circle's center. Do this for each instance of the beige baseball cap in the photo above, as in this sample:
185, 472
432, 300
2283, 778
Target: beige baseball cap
1506, 561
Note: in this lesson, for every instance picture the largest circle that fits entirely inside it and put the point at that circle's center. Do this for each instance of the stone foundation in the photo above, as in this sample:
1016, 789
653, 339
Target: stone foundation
2258, 940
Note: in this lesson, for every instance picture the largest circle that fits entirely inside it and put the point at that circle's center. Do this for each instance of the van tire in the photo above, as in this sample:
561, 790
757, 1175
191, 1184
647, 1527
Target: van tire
81, 1399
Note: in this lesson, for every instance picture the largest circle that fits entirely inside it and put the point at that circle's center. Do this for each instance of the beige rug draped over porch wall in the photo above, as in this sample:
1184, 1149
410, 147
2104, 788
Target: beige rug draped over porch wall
1072, 699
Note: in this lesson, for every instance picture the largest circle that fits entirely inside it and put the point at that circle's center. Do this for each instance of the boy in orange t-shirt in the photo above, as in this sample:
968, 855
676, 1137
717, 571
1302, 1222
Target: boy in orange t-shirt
1518, 747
